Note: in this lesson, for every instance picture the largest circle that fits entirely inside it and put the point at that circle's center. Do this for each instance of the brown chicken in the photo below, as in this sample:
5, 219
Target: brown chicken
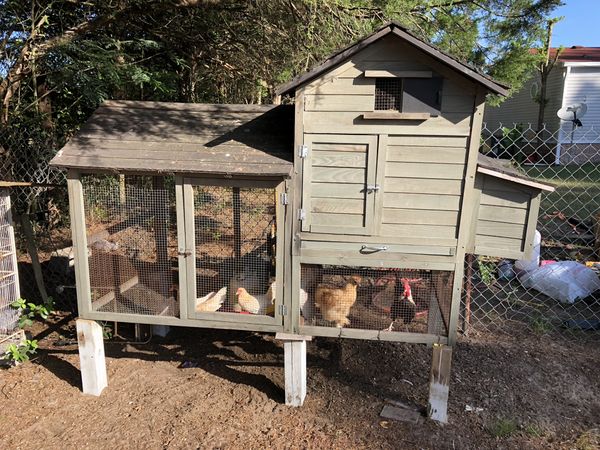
335, 303
256, 304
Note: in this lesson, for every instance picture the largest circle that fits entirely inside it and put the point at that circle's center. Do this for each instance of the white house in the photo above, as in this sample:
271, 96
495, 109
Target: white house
574, 79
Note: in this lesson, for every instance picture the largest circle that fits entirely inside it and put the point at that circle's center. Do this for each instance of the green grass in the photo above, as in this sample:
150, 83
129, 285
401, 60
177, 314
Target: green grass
503, 428
577, 191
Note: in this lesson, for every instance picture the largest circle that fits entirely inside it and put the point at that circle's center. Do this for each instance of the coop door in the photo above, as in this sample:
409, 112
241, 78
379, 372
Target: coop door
339, 183
234, 233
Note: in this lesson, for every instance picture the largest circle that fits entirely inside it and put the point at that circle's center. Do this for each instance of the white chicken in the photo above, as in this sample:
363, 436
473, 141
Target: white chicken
211, 302
257, 304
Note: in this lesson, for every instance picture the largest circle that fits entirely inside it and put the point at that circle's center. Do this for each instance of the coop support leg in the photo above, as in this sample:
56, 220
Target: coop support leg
294, 355
91, 356
439, 383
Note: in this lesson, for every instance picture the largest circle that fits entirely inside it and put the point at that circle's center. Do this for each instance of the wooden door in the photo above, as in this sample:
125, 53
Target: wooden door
340, 188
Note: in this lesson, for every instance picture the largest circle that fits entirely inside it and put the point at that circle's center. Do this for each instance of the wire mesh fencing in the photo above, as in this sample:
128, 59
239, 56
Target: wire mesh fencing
557, 291
235, 249
408, 300
9, 288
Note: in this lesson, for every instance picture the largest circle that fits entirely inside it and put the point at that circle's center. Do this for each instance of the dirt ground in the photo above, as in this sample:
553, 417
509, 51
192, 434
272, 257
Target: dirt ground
535, 391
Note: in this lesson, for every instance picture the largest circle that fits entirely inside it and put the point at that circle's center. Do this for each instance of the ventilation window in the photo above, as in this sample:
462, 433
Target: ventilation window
388, 94
409, 95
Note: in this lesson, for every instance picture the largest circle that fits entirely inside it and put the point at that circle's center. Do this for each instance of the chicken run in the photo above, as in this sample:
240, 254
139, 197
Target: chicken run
344, 210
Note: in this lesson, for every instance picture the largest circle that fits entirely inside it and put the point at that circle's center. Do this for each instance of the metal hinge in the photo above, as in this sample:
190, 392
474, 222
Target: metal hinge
301, 214
183, 252
283, 198
282, 310
303, 151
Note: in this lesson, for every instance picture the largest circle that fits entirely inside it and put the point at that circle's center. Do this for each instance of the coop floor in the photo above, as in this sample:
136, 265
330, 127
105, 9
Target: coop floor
543, 392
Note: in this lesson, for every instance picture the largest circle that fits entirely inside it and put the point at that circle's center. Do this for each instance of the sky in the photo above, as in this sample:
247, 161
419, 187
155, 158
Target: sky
580, 25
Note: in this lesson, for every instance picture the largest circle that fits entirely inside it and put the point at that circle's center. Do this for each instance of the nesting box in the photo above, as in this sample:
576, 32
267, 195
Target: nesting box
345, 213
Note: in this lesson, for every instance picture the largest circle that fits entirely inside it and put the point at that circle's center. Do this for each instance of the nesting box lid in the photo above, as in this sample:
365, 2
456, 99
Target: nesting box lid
187, 138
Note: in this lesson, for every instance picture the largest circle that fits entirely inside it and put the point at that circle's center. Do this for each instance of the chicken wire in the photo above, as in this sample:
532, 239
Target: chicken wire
9, 288
494, 298
132, 244
408, 300
235, 238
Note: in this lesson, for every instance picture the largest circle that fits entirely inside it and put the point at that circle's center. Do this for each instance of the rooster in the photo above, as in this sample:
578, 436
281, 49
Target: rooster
404, 306
396, 299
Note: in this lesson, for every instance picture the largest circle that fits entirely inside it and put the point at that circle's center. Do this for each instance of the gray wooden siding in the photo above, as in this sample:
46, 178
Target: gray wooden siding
423, 187
502, 219
334, 103
422, 169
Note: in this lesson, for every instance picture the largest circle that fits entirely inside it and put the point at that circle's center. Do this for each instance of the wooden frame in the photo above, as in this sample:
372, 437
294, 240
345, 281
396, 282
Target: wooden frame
190, 251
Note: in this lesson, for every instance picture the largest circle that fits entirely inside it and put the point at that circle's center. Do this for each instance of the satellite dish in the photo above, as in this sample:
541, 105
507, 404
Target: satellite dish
573, 113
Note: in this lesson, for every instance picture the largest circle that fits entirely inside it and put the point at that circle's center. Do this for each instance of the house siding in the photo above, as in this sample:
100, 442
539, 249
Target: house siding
521, 109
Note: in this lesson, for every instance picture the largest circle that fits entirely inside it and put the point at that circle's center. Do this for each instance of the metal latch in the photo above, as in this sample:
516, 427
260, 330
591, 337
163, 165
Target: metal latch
372, 188
303, 151
184, 252
283, 198
301, 214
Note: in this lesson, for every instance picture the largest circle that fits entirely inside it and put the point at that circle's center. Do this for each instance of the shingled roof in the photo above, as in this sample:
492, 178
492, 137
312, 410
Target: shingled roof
155, 137
339, 57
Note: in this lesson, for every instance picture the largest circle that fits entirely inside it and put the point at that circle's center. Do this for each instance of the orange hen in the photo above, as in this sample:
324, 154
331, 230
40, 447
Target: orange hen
335, 303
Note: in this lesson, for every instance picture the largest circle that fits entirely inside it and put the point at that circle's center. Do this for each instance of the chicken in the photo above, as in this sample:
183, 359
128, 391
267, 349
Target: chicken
211, 302
403, 307
256, 304
335, 303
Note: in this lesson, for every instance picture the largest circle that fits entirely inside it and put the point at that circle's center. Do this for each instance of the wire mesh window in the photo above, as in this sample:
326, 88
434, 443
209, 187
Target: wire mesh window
8, 271
388, 94
235, 234
132, 244
416, 301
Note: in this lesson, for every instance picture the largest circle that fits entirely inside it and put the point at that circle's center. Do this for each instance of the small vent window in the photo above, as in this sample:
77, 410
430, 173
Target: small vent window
388, 94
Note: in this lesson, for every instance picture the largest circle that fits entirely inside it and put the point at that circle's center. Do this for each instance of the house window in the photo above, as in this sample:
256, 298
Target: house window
409, 95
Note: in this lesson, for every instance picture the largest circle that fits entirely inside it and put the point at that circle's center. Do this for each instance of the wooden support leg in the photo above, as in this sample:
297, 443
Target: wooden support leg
439, 383
294, 354
91, 356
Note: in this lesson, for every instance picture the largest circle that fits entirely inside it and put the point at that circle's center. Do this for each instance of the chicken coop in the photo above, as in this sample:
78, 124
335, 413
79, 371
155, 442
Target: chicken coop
345, 210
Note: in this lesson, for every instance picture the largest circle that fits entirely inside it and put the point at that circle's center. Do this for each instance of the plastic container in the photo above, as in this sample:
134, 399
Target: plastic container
527, 265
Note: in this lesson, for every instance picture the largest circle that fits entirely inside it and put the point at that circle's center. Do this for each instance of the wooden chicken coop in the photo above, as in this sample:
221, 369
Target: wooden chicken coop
346, 212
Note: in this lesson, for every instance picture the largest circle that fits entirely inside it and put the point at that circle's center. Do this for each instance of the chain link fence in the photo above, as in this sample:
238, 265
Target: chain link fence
496, 296
552, 294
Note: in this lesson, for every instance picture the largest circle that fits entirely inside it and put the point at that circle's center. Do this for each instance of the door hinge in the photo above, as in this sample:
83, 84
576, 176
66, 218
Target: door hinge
282, 310
303, 151
301, 214
283, 198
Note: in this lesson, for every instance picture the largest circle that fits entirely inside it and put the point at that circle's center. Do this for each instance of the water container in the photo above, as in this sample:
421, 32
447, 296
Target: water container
527, 265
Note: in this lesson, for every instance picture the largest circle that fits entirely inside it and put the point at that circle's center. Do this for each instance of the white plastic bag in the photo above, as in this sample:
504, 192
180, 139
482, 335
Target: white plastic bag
565, 281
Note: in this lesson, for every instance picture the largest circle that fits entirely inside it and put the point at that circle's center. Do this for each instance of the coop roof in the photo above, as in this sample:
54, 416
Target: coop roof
341, 56
187, 138
502, 169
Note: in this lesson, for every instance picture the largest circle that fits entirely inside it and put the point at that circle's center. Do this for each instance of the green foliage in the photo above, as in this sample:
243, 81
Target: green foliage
29, 311
503, 428
541, 325
487, 270
21, 353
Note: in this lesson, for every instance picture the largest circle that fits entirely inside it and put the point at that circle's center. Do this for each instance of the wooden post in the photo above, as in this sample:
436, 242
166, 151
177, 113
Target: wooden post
468, 293
439, 383
33, 254
237, 232
91, 356
294, 355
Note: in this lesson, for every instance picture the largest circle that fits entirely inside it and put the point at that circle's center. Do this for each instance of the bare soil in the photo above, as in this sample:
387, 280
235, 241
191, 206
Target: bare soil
536, 391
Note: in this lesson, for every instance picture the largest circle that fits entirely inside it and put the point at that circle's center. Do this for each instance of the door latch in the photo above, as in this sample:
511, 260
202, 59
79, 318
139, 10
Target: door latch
184, 253
372, 188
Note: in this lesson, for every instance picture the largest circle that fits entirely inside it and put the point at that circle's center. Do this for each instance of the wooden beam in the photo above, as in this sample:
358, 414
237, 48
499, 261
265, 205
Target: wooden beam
439, 383
398, 74
91, 356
